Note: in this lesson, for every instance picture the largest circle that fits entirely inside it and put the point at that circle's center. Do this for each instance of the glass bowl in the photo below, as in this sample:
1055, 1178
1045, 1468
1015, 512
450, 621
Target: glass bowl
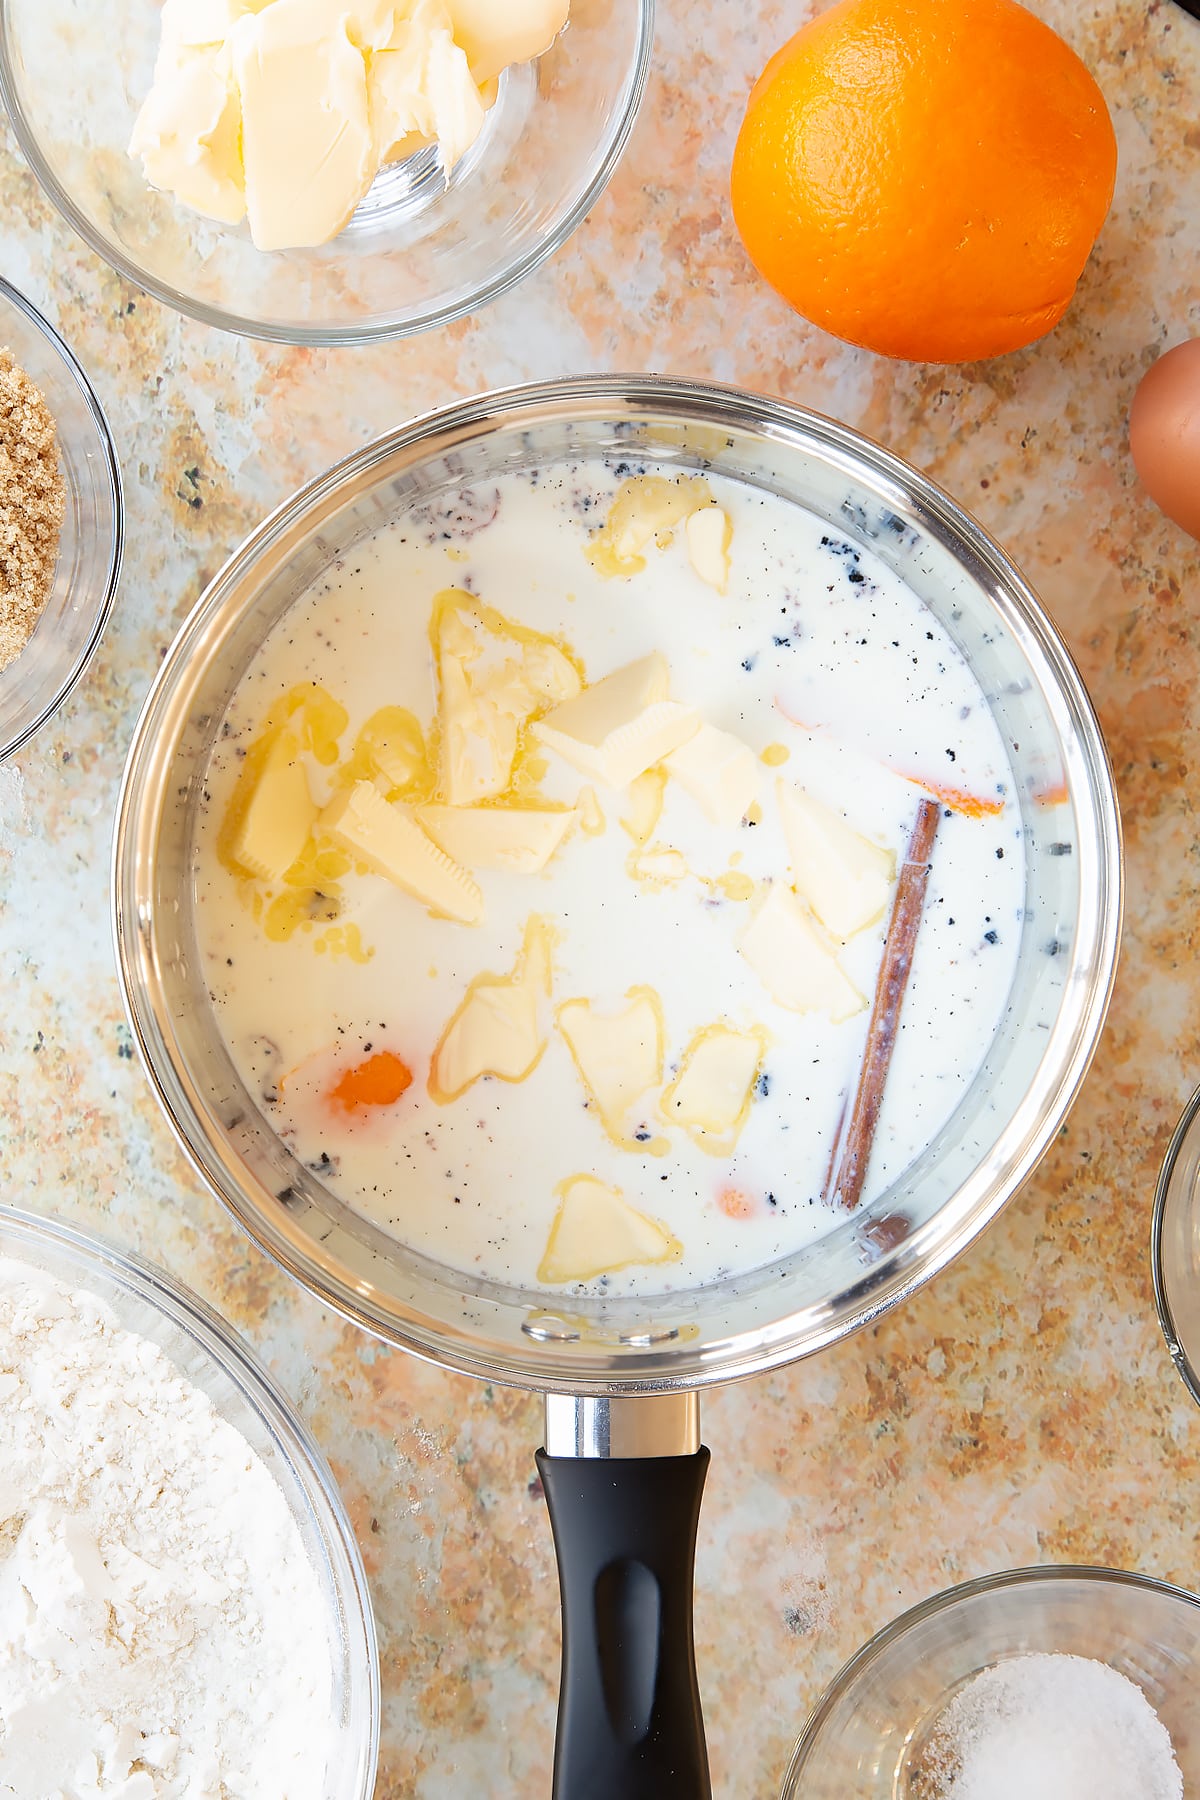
89, 551
870, 1259
418, 252
207, 1353
865, 1739
1175, 1247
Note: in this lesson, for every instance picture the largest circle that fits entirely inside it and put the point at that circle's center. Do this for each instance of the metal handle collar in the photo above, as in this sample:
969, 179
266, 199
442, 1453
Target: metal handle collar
623, 1426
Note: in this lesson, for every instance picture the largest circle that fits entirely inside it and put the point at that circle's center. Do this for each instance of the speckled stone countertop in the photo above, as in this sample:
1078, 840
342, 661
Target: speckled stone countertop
1022, 1408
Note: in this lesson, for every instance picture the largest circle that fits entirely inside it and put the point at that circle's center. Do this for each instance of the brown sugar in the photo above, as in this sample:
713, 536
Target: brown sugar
32, 503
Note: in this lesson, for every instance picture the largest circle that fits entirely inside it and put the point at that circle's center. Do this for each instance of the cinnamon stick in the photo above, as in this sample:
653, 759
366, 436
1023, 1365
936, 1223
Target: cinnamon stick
908, 904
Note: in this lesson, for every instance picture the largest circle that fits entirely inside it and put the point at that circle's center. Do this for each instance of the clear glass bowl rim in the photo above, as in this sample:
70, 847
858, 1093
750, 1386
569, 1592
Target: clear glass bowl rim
1163, 1195
186, 1311
359, 332
112, 465
901, 1271
943, 1601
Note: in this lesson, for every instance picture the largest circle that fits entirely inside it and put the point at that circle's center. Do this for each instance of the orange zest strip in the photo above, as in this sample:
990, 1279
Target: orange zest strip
791, 718
379, 1081
1051, 796
734, 1203
959, 800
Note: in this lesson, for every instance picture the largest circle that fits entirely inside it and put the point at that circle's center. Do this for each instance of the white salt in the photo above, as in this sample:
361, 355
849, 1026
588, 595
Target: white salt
1052, 1728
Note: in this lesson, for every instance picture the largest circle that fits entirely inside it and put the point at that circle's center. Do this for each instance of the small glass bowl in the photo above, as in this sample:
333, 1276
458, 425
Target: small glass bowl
1175, 1247
866, 1738
89, 552
207, 1353
419, 251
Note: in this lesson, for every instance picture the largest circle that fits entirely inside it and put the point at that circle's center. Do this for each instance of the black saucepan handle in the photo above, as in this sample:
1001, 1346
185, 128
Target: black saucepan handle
630, 1725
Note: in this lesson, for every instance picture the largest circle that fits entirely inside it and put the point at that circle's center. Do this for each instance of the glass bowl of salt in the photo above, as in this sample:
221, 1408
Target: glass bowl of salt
1055, 1683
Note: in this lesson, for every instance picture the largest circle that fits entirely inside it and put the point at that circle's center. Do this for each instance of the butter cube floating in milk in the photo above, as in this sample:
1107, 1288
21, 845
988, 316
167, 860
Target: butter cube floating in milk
273, 810
710, 1097
620, 726
522, 839
719, 771
619, 1057
491, 677
596, 1231
846, 879
709, 535
644, 806
496, 1030
384, 836
646, 510
794, 962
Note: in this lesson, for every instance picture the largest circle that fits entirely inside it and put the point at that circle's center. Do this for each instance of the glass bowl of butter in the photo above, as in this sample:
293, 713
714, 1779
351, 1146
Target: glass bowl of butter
322, 171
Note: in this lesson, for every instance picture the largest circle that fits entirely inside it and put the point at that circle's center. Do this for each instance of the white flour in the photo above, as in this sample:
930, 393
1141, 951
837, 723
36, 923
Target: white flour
162, 1632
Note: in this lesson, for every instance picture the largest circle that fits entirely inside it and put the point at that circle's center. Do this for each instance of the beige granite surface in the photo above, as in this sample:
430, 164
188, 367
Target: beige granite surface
1022, 1408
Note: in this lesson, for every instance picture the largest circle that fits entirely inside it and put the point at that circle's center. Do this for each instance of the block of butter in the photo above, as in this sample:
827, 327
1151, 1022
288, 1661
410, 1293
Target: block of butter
796, 965
620, 726
383, 835
285, 110
491, 676
522, 839
272, 812
306, 133
496, 1030
710, 1097
494, 36
187, 132
846, 879
619, 1056
719, 771
596, 1231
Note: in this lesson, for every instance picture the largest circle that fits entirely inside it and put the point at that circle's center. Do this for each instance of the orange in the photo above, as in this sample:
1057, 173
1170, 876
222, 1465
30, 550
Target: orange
925, 178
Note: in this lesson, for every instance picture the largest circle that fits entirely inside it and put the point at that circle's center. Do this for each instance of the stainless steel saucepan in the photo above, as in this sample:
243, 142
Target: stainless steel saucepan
622, 1463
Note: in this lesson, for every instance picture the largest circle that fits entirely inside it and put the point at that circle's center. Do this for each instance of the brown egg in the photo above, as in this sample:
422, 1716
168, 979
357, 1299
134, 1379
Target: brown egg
1164, 434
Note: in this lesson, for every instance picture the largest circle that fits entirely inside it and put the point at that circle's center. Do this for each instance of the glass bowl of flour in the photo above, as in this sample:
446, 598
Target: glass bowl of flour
1052, 1683
183, 1608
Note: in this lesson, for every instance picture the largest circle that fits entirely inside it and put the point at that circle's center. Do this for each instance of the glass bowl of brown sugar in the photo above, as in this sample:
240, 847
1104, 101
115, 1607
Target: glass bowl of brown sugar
61, 520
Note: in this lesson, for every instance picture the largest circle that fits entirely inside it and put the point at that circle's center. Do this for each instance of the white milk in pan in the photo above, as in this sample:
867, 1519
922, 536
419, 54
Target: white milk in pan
571, 988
